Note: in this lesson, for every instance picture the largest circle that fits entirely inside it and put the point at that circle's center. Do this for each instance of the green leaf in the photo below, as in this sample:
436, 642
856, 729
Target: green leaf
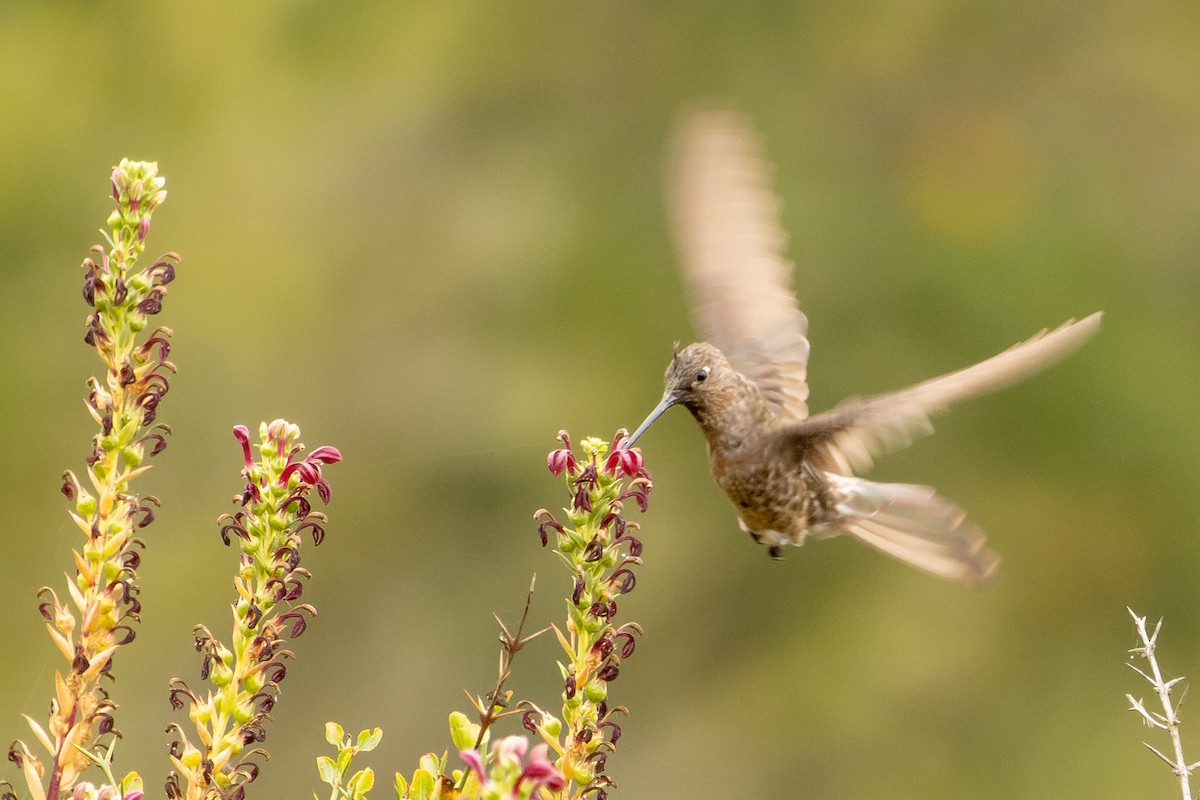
131, 783
334, 734
328, 770
423, 784
369, 740
361, 783
462, 731
401, 787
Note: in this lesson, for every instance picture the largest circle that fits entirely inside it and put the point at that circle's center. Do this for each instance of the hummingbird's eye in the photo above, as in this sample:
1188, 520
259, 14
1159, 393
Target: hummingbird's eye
702, 375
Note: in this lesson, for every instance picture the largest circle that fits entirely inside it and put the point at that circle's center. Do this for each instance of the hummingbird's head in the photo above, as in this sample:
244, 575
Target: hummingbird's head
695, 375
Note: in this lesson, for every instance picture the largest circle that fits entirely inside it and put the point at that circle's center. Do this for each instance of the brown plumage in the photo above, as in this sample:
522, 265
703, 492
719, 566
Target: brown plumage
791, 476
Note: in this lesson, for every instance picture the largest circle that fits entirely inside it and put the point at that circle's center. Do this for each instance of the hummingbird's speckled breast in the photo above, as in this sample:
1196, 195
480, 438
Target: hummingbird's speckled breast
776, 497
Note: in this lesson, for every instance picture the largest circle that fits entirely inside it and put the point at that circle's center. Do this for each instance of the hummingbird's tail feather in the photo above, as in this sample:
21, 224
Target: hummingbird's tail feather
915, 525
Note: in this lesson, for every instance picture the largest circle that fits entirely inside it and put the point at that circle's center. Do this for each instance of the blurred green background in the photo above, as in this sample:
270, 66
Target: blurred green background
433, 235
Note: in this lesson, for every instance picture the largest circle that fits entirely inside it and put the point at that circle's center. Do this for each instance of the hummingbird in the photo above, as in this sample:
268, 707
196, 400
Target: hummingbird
791, 476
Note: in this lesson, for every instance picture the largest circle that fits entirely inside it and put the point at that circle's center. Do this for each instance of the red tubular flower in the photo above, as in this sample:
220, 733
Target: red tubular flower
473, 760
563, 458
541, 772
242, 434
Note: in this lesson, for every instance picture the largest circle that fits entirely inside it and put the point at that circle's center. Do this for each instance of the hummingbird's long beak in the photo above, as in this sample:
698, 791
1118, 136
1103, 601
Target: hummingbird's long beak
667, 401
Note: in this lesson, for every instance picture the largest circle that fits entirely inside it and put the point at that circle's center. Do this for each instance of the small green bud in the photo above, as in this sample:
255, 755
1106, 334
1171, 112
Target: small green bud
200, 713
254, 681
132, 456
243, 711
191, 758
85, 505
583, 772
552, 725
595, 691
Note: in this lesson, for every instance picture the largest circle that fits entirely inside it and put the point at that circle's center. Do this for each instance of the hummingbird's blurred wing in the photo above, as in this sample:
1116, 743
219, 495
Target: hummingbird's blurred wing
727, 232
847, 438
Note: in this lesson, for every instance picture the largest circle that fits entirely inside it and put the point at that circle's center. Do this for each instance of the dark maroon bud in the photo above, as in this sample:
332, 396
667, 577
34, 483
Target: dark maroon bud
303, 507
599, 610
151, 305
253, 732
599, 759
130, 634
323, 491
577, 593
582, 501
602, 709
593, 552
175, 697
164, 347
527, 721
253, 615
624, 579
585, 734
106, 723
160, 443
147, 516
46, 609
608, 673
162, 273
279, 673
106, 424
569, 686
265, 701
277, 588
289, 556
90, 284
628, 643
603, 647
318, 532
551, 522
639, 496
206, 667
614, 733
80, 663
171, 787
299, 623
120, 292
635, 546
14, 755
133, 560
68, 488
587, 478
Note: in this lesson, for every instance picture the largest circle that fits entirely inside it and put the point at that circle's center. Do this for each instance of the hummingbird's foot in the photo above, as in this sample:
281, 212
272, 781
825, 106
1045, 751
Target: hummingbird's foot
755, 535
775, 551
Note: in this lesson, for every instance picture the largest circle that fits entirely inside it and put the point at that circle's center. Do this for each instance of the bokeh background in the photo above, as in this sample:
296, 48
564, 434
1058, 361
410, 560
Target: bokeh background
433, 235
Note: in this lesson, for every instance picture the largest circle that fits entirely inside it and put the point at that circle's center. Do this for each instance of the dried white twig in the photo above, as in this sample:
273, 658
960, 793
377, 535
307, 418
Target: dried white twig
1168, 720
